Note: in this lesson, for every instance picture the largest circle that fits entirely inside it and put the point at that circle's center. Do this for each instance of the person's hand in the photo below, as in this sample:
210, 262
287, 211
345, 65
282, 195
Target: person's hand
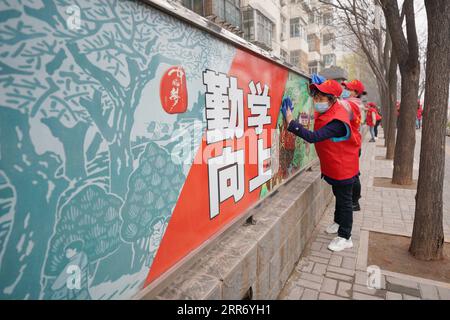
286, 109
317, 79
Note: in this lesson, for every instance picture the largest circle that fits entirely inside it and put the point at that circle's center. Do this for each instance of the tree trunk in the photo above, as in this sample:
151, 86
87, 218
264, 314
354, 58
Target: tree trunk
407, 54
384, 103
406, 136
428, 235
72, 140
32, 176
121, 163
391, 112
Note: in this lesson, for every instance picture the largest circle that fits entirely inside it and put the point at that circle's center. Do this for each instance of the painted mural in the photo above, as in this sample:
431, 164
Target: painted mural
127, 139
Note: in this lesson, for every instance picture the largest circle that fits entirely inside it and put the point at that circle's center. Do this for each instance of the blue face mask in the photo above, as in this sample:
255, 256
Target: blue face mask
321, 107
345, 94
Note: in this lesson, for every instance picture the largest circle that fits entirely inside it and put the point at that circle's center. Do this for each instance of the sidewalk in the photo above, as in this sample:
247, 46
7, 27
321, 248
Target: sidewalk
322, 274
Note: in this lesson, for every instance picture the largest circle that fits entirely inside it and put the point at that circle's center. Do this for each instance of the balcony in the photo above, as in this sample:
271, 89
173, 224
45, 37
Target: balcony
313, 28
257, 28
314, 56
328, 48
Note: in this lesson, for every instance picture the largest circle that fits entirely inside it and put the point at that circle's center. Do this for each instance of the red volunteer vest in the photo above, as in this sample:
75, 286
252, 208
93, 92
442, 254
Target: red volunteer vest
355, 118
369, 117
378, 117
419, 113
338, 160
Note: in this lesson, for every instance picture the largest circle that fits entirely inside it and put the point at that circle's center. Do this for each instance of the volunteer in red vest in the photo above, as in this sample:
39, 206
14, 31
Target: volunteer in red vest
419, 115
337, 149
397, 107
351, 100
371, 119
378, 118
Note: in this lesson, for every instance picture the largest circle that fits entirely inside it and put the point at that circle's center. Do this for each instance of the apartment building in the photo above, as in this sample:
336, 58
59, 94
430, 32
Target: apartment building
265, 23
318, 19
225, 13
300, 32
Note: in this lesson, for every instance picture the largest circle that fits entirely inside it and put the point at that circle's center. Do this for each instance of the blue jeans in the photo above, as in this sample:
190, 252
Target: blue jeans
372, 132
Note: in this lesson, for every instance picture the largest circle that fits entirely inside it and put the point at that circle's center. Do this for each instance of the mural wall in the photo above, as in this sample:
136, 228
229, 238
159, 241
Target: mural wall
127, 139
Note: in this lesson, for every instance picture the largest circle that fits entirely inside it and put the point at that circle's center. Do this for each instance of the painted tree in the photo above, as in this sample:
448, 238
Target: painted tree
428, 234
118, 49
7, 204
153, 192
29, 99
62, 83
36, 193
92, 217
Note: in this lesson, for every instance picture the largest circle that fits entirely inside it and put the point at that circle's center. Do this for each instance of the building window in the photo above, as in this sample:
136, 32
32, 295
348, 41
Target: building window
283, 28
312, 70
311, 43
248, 24
327, 38
296, 29
328, 19
264, 29
329, 59
227, 10
195, 5
314, 17
257, 28
284, 55
233, 12
295, 57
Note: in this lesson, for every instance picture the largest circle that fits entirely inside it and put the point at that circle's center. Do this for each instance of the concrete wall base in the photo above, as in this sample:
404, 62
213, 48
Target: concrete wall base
255, 260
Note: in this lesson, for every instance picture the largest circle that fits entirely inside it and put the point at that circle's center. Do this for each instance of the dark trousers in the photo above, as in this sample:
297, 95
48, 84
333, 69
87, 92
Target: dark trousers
376, 127
357, 187
343, 213
356, 193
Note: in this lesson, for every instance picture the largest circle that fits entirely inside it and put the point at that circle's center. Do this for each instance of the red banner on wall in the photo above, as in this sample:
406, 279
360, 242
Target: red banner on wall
195, 218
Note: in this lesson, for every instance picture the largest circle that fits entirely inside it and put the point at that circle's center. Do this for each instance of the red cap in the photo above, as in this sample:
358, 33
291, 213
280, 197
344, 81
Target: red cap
329, 87
371, 104
355, 85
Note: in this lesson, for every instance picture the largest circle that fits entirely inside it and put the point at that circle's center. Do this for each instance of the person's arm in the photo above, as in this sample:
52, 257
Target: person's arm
334, 129
374, 118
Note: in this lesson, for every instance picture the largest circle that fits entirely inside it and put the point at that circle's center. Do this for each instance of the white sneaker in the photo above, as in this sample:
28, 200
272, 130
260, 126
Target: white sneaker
339, 244
332, 228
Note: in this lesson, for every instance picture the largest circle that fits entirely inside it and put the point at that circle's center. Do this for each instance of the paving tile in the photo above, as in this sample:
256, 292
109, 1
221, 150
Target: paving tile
309, 294
428, 292
393, 296
326, 296
319, 269
332, 275
362, 296
329, 286
344, 289
444, 293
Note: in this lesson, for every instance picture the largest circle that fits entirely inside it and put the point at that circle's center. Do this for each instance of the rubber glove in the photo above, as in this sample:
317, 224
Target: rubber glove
317, 79
287, 104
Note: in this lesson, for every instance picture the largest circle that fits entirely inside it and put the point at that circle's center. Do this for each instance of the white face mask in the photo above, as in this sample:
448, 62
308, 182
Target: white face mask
321, 107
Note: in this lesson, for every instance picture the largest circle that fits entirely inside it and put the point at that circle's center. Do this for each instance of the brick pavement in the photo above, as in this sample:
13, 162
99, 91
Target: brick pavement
322, 274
